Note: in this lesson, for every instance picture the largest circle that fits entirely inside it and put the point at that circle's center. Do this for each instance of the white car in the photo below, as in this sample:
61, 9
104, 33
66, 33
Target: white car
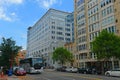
115, 72
71, 69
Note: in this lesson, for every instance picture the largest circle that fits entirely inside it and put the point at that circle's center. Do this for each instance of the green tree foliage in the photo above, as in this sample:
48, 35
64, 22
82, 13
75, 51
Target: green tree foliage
106, 45
62, 55
9, 50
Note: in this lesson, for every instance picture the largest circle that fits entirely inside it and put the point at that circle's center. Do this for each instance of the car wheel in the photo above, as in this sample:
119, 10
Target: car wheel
108, 74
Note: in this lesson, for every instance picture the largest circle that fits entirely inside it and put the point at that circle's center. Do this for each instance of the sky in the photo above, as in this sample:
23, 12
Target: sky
17, 15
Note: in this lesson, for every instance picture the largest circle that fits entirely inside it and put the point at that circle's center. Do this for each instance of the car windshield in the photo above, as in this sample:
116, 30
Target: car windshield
21, 69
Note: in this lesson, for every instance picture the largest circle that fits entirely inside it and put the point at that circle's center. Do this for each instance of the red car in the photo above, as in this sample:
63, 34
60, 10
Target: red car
20, 72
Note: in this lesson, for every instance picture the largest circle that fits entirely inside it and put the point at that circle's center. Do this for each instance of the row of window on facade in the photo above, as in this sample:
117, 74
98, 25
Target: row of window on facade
94, 27
80, 9
93, 19
93, 35
41, 31
81, 16
60, 28
38, 52
81, 56
61, 38
60, 33
106, 2
107, 11
92, 3
82, 31
107, 21
103, 3
82, 47
82, 39
93, 10
80, 2
109, 29
81, 23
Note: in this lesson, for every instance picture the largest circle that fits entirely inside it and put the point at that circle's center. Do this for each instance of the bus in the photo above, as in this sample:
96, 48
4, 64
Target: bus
32, 65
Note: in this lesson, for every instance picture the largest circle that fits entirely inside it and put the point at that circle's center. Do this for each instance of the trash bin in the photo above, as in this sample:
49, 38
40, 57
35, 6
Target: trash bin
10, 72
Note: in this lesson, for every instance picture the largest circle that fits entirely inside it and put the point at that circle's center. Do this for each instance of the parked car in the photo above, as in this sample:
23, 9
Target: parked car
85, 70
115, 72
71, 69
20, 72
62, 69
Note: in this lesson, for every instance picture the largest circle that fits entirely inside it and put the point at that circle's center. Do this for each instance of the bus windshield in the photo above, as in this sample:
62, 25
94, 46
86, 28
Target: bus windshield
37, 63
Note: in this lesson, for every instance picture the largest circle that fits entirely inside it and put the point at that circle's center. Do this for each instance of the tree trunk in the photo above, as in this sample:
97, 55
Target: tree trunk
102, 67
112, 64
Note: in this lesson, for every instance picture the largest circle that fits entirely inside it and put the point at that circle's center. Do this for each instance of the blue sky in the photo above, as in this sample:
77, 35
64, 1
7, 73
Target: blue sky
17, 15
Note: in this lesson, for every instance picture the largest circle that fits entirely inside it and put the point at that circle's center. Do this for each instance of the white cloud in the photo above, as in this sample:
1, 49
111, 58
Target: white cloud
9, 2
14, 1
46, 4
3, 15
13, 14
4, 5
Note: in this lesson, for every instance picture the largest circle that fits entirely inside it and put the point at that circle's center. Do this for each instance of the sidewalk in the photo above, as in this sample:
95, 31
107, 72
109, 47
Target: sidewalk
13, 77
2, 77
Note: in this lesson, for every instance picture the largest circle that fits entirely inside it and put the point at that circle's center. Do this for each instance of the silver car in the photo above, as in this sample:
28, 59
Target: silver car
71, 69
115, 72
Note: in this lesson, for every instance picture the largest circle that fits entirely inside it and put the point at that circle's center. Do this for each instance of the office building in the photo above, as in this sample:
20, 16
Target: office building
54, 29
91, 17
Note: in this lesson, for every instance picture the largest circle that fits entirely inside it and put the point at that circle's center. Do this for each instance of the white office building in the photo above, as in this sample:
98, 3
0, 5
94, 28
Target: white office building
54, 29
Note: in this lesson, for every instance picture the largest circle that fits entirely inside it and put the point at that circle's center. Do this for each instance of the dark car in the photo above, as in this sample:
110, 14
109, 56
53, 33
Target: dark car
20, 72
85, 70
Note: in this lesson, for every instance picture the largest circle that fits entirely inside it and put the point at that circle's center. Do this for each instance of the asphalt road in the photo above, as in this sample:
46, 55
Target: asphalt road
54, 75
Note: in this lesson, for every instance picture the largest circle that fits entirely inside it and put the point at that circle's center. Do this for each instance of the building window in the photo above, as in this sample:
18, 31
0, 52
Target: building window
53, 32
67, 34
53, 37
53, 22
59, 33
67, 29
116, 20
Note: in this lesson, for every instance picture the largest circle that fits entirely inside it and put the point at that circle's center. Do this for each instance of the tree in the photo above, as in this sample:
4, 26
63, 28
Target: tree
9, 51
62, 55
106, 45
